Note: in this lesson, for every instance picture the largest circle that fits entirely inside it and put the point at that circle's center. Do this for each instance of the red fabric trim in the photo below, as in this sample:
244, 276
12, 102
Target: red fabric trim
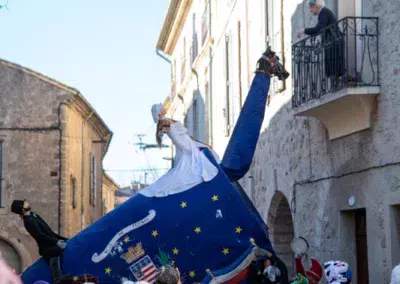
240, 277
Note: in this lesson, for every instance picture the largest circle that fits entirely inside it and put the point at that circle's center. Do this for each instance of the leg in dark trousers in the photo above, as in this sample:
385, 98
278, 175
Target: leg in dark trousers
52, 255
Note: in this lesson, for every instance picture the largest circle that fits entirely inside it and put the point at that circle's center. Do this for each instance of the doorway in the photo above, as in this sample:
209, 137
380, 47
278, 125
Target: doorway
361, 245
281, 230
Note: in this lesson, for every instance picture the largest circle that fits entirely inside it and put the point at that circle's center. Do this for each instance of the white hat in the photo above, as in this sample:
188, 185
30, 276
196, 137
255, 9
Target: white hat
396, 275
155, 111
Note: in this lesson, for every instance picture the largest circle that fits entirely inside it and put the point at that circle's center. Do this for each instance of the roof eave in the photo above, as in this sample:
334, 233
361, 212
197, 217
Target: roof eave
173, 25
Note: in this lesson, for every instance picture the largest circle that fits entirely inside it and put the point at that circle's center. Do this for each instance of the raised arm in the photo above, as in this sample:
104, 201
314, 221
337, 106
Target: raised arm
242, 145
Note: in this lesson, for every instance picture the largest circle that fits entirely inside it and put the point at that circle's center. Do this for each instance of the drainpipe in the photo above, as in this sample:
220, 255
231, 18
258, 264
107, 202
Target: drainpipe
163, 56
60, 165
166, 58
83, 168
210, 80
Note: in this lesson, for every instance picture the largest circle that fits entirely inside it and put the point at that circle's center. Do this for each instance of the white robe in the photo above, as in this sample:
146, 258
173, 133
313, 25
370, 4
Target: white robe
191, 166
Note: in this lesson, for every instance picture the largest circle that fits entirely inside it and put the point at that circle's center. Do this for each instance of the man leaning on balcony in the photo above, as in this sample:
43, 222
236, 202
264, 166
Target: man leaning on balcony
332, 38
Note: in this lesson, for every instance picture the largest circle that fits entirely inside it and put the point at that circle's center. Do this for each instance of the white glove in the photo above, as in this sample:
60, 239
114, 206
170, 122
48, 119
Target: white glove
61, 244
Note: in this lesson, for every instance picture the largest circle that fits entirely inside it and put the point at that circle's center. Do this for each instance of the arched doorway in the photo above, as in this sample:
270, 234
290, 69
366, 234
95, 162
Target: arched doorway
11, 256
280, 225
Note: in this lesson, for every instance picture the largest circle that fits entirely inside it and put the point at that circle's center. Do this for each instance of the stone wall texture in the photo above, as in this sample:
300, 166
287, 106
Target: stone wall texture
41, 126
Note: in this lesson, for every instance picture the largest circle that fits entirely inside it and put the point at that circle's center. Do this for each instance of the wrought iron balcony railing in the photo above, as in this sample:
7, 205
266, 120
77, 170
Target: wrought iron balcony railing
343, 55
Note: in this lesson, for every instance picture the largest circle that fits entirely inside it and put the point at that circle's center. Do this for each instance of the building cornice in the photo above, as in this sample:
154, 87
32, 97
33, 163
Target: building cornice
173, 25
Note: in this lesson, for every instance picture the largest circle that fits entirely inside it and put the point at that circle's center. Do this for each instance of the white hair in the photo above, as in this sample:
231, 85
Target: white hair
318, 3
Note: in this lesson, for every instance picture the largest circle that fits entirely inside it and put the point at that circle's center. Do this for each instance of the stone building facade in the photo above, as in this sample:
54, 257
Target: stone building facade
326, 166
52, 147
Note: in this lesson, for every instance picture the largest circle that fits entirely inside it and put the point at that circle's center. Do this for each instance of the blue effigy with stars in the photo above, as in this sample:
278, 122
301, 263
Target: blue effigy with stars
210, 230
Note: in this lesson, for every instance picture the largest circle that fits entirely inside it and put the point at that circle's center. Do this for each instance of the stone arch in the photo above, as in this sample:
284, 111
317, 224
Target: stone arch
11, 255
22, 251
281, 229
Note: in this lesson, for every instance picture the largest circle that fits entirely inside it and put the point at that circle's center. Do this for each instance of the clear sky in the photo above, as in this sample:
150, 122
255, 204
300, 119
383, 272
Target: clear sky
105, 49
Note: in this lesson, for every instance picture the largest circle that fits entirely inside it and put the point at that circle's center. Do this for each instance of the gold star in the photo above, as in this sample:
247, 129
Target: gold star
155, 233
197, 230
192, 273
108, 270
183, 204
215, 198
75, 278
225, 251
238, 230
127, 239
175, 251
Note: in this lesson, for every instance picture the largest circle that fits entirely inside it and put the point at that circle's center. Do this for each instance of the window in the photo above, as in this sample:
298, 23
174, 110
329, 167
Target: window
274, 28
205, 24
93, 181
194, 39
74, 192
1, 167
183, 61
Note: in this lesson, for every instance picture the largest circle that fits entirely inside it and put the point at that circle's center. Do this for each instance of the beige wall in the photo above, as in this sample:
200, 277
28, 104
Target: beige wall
75, 156
109, 188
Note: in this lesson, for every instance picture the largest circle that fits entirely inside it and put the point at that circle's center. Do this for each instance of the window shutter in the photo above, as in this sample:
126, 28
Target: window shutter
74, 192
93, 181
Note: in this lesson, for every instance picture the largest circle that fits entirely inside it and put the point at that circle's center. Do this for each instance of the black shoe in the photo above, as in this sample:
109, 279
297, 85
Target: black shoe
269, 64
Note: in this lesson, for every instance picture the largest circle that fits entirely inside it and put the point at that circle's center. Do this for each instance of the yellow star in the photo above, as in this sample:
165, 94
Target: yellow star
192, 273
238, 230
127, 239
197, 230
183, 204
75, 278
225, 251
215, 198
155, 233
108, 270
175, 251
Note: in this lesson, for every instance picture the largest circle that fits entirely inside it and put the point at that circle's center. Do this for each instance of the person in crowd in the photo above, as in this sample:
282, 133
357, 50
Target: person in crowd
51, 245
332, 38
337, 272
299, 279
314, 273
267, 268
7, 275
395, 275
168, 274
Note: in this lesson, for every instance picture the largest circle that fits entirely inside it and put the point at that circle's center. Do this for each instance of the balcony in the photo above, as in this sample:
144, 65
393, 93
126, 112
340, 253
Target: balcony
336, 75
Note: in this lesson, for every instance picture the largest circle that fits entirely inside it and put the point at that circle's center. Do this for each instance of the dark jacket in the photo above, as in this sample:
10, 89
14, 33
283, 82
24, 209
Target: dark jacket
333, 42
325, 18
43, 235
256, 272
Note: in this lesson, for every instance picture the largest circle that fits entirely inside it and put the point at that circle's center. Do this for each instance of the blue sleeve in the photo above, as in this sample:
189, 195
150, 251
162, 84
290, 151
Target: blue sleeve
242, 145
